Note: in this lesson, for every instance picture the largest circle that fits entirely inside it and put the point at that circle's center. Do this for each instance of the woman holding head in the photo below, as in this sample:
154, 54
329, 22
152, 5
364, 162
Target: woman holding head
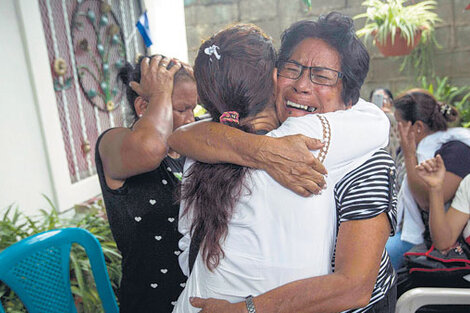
258, 235
424, 134
139, 175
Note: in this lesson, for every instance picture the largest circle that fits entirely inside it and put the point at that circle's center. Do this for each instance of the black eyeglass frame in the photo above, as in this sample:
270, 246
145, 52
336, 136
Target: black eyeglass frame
310, 68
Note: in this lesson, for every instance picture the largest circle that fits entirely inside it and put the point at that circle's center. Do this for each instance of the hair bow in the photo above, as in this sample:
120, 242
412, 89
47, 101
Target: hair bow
445, 109
212, 50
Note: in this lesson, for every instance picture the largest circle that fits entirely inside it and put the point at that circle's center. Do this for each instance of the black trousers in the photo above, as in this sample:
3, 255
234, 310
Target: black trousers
388, 303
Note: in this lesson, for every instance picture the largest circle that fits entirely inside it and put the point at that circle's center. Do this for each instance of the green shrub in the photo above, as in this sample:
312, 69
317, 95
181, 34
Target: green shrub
444, 91
15, 226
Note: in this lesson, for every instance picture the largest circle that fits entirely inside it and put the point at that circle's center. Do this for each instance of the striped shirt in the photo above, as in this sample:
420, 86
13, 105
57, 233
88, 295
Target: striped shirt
364, 193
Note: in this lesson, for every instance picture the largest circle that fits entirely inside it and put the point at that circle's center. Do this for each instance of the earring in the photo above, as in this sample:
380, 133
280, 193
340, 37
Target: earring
419, 130
140, 115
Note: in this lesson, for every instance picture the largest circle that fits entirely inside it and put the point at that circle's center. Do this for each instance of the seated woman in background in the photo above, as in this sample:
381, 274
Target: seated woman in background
424, 134
138, 177
258, 235
445, 226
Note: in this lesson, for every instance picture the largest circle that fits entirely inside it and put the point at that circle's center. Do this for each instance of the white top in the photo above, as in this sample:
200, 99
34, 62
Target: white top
461, 201
276, 236
408, 211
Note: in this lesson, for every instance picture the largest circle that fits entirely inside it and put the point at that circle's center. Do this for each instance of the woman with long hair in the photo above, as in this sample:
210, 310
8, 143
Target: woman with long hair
256, 235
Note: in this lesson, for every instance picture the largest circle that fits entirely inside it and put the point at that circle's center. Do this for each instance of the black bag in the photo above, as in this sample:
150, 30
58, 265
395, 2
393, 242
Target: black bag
431, 268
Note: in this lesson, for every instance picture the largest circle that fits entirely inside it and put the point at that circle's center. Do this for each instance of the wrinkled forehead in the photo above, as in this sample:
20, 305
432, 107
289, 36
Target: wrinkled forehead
316, 52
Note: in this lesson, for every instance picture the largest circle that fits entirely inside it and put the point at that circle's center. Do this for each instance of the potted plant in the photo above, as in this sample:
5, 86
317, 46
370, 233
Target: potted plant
397, 28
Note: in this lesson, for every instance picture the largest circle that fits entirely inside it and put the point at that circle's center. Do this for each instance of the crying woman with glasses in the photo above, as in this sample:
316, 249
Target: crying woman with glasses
275, 250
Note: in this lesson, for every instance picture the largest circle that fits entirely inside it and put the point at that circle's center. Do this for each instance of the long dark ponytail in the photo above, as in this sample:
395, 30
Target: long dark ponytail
233, 71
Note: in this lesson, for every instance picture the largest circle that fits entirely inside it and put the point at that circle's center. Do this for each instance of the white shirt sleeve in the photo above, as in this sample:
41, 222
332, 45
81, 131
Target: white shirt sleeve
360, 130
184, 227
461, 200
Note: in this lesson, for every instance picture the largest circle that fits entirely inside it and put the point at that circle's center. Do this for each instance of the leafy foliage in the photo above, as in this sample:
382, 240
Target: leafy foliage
445, 92
308, 3
421, 60
391, 16
15, 226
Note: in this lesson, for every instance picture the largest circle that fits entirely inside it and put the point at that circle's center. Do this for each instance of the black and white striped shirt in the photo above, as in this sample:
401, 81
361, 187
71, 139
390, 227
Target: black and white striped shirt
364, 193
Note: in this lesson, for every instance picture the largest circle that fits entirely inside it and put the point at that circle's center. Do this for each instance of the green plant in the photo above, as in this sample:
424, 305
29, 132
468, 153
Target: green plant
15, 226
384, 18
421, 60
445, 92
308, 3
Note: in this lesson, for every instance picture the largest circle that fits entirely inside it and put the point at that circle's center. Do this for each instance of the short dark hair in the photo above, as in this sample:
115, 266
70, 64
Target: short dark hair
338, 31
419, 105
131, 72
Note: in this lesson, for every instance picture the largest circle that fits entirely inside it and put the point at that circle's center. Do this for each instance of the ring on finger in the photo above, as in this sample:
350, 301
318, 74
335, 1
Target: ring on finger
163, 64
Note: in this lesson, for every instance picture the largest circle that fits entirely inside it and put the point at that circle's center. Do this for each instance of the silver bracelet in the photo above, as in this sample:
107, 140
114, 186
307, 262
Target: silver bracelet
250, 306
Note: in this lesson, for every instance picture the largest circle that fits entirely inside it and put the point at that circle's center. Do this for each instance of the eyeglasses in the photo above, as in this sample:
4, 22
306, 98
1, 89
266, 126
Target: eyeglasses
318, 75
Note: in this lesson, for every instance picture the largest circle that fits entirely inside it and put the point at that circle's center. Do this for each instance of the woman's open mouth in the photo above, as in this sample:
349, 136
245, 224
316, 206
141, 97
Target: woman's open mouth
302, 107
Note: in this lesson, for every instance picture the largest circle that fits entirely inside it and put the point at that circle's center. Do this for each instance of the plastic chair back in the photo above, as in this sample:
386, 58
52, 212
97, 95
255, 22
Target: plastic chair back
37, 269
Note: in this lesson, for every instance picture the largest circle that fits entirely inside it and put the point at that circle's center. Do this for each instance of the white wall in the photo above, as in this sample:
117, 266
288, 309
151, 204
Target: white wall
31, 152
168, 28
24, 174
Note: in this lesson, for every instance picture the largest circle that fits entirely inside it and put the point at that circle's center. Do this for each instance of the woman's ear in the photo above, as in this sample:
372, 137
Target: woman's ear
420, 127
140, 106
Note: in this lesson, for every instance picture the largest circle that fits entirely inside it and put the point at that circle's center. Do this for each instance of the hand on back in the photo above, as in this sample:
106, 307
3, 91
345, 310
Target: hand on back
290, 162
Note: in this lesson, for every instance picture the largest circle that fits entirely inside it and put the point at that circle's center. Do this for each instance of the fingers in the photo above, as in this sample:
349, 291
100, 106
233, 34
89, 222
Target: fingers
189, 69
404, 129
136, 87
319, 167
174, 68
145, 64
154, 62
429, 166
164, 63
197, 302
439, 161
313, 144
313, 185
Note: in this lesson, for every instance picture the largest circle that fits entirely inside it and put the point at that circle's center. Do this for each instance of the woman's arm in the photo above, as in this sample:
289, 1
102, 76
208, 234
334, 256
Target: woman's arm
364, 223
350, 286
128, 152
445, 227
288, 159
416, 184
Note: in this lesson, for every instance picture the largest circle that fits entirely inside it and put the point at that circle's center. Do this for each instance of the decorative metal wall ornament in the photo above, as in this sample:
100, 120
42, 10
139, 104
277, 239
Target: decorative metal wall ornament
60, 69
99, 52
86, 146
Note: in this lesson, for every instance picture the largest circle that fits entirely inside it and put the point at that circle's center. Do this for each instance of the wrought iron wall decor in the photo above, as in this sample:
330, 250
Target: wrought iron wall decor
98, 57
87, 42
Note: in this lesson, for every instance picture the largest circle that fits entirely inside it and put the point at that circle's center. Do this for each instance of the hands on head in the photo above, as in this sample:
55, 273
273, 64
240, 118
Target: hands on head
432, 172
156, 79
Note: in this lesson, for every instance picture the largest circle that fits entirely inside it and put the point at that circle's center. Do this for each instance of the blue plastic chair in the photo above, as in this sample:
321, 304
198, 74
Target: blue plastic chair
37, 269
